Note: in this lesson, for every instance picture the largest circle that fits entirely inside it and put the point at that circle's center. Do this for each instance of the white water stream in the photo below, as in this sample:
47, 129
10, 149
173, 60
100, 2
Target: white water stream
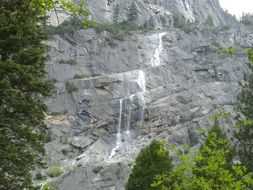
128, 130
156, 59
142, 83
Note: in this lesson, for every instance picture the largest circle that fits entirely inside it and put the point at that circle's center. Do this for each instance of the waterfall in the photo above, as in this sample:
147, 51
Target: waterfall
119, 135
142, 80
143, 97
142, 83
156, 59
128, 132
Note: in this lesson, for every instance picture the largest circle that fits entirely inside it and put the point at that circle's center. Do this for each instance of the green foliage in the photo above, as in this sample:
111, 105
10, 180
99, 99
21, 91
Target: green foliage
70, 87
55, 171
22, 89
66, 27
77, 10
193, 138
39, 176
148, 25
151, 161
211, 169
209, 21
228, 51
118, 31
145, 25
116, 14
245, 126
64, 152
182, 23
151, 23
47, 136
182, 100
250, 54
68, 62
245, 138
184, 119
173, 122
45, 6
97, 169
49, 187
133, 13
111, 42
82, 76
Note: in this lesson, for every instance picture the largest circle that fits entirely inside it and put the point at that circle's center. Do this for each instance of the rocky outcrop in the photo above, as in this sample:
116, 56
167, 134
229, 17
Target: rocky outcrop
160, 10
113, 97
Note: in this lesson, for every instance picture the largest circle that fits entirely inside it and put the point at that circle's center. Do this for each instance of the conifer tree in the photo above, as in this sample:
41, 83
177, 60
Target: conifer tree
151, 161
209, 20
116, 13
133, 13
151, 23
22, 86
145, 25
22, 89
245, 126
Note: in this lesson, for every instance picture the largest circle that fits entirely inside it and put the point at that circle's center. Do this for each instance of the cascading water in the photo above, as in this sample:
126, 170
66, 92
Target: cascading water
119, 136
156, 59
142, 83
142, 80
128, 132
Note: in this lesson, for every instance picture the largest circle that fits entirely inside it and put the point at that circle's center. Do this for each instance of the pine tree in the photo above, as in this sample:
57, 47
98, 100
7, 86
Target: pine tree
209, 20
145, 25
213, 162
151, 161
245, 126
245, 145
133, 13
151, 23
116, 13
22, 88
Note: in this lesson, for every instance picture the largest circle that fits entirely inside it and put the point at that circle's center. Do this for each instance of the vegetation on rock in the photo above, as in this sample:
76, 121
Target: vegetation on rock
133, 13
116, 14
55, 171
181, 22
209, 21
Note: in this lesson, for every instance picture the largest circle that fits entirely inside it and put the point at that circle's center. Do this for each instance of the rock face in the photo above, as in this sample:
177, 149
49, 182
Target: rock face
160, 10
113, 97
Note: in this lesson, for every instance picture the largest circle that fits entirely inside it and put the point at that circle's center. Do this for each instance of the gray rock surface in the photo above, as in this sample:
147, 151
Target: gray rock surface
163, 84
194, 10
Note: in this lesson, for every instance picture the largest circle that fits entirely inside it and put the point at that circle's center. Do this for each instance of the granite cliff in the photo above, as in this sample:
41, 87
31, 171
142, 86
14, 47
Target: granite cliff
113, 97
